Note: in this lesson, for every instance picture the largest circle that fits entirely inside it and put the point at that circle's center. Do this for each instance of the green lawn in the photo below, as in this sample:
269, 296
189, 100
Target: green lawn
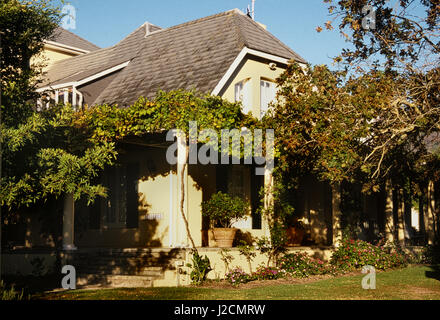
414, 283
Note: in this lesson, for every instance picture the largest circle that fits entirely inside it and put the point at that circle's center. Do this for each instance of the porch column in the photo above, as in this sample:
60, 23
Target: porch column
336, 213
400, 217
389, 216
268, 199
69, 222
430, 216
66, 96
181, 236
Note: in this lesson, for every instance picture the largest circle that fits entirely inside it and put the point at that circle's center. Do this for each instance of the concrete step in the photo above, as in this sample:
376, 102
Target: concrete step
113, 281
107, 270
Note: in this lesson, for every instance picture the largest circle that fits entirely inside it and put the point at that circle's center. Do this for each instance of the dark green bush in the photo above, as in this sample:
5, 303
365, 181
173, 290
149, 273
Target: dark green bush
431, 254
10, 293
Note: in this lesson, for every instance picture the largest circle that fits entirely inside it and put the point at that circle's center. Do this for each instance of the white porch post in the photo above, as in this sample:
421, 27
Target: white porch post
57, 96
74, 104
69, 223
66, 96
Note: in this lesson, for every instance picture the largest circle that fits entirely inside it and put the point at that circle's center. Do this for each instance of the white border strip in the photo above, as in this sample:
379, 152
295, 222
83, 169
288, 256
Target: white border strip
65, 47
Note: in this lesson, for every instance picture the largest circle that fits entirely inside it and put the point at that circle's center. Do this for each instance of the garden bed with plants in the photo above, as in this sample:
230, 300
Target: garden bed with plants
347, 259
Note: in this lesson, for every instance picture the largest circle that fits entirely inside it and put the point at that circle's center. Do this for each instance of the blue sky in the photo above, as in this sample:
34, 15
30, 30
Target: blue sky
105, 22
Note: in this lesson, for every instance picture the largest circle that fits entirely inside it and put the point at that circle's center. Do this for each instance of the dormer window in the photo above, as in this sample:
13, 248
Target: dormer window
268, 95
243, 94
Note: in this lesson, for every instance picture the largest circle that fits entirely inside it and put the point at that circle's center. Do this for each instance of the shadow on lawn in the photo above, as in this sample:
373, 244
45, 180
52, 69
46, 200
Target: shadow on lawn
434, 273
33, 285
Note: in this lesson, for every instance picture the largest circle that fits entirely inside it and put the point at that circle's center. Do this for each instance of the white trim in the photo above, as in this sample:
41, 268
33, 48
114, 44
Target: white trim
239, 59
85, 80
64, 47
58, 86
103, 73
230, 71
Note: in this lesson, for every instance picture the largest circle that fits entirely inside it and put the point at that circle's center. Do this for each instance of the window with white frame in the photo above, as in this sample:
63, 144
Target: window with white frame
243, 94
268, 95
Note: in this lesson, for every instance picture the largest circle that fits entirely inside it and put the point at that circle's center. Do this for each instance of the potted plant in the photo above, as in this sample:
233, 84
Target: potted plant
296, 232
223, 210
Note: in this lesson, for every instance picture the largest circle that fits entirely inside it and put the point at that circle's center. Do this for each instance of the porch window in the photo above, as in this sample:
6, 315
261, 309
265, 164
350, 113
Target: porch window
243, 95
268, 95
115, 212
121, 207
239, 180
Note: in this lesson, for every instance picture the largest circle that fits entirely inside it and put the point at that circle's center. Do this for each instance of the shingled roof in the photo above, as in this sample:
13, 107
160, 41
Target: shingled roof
65, 37
193, 55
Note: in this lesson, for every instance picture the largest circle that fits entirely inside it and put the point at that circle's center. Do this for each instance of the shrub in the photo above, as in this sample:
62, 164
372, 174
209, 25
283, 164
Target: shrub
226, 257
274, 246
200, 268
224, 209
300, 265
431, 254
237, 276
354, 254
10, 294
248, 252
268, 273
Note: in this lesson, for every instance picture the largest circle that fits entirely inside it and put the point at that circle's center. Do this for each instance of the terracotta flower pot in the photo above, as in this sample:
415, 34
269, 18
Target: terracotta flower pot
295, 236
224, 237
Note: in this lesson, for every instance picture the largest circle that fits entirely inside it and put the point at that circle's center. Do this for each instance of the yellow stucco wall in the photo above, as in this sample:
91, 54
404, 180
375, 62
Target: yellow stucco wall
49, 56
255, 71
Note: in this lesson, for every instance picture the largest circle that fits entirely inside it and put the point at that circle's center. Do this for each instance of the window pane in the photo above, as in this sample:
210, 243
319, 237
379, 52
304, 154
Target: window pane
243, 95
268, 94
239, 92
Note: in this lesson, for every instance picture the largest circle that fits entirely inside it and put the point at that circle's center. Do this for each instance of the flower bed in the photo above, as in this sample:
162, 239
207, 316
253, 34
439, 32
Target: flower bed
354, 254
268, 273
237, 276
300, 265
349, 256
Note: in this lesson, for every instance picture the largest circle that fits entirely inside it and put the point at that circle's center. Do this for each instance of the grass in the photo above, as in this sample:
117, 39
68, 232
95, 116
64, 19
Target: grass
412, 283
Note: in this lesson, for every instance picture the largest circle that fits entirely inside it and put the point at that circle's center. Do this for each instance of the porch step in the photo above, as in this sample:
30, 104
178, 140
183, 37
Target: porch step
122, 268
90, 281
118, 270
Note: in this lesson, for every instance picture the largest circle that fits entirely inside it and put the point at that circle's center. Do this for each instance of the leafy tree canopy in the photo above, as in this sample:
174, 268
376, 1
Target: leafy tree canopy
24, 25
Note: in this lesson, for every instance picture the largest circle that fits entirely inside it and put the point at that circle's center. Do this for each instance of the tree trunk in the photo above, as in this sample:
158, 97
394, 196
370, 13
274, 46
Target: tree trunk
182, 198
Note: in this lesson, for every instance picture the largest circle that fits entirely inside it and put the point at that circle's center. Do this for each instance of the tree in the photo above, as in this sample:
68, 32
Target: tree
43, 153
324, 120
398, 55
402, 33
24, 25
